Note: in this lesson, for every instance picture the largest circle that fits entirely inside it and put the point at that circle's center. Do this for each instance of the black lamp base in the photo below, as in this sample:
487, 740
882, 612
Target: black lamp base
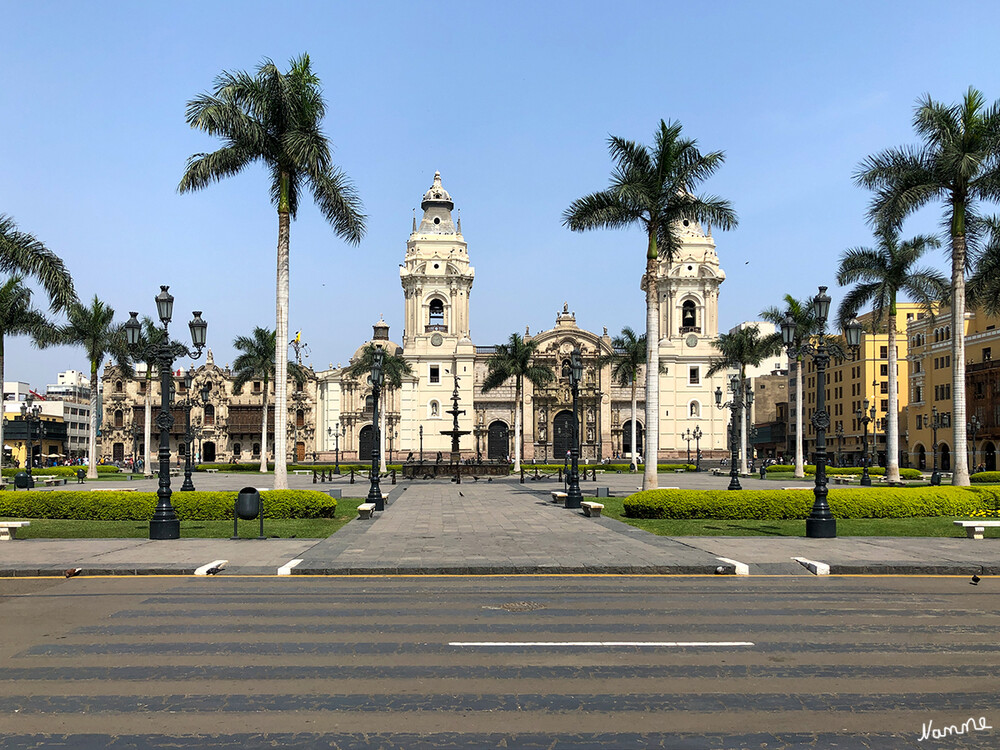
165, 529
821, 528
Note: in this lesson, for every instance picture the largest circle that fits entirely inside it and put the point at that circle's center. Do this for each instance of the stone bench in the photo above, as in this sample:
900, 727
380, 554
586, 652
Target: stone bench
679, 471
114, 489
211, 471
841, 479
591, 510
975, 529
558, 497
54, 481
365, 510
302, 471
8, 529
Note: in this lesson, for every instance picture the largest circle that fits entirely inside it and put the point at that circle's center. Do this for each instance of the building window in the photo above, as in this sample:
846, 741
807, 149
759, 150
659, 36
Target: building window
256, 386
689, 317
884, 387
119, 418
435, 374
885, 405
883, 370
694, 376
209, 415
119, 387
883, 352
300, 418
987, 353
369, 402
435, 314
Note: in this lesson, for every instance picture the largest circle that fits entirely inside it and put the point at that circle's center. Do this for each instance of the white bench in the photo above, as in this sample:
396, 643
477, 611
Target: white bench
8, 529
114, 489
302, 471
559, 497
975, 529
211, 471
837, 479
590, 509
679, 471
365, 510
800, 487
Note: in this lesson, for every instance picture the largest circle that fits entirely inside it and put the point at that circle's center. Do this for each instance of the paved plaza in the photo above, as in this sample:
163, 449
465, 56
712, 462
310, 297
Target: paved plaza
496, 527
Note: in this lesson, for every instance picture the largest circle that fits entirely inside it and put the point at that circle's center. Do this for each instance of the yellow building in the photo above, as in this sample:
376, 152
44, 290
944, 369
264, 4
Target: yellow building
930, 387
849, 383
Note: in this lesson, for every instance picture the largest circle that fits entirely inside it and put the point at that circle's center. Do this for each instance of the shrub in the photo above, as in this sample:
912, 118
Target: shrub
875, 471
60, 471
773, 505
139, 506
986, 477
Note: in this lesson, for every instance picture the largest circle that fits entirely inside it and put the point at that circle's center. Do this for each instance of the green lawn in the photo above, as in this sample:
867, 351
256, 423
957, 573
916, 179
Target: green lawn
941, 526
305, 528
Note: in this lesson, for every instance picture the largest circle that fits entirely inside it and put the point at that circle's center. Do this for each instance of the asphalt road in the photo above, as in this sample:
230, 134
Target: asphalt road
398, 662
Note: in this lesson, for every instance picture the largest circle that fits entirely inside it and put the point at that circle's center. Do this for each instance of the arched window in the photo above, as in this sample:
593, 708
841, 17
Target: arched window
436, 315
237, 450
369, 402
689, 315
300, 418
256, 450
209, 415
119, 418
119, 387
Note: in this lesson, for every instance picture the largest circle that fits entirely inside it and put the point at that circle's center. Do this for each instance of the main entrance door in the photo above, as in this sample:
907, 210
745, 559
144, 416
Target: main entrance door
627, 439
366, 443
208, 452
562, 435
498, 442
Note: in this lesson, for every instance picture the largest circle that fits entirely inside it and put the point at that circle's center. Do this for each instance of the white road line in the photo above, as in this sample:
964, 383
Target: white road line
203, 570
742, 569
591, 644
816, 568
286, 569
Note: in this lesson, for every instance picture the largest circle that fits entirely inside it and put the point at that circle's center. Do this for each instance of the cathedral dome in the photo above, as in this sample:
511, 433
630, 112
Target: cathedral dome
436, 195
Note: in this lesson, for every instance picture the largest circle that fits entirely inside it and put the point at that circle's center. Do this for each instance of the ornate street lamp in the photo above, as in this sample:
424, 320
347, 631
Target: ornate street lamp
164, 524
936, 422
821, 523
973, 427
840, 443
374, 491
31, 414
865, 416
573, 495
697, 434
335, 432
187, 403
688, 437
735, 406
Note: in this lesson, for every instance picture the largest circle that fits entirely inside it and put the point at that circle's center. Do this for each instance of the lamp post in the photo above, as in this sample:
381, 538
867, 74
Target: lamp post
973, 427
935, 424
735, 406
697, 450
573, 496
687, 436
374, 491
164, 524
821, 523
335, 432
840, 443
865, 416
421, 444
31, 414
188, 485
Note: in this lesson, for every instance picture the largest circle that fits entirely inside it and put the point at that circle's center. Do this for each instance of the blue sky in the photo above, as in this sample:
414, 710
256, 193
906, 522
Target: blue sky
513, 102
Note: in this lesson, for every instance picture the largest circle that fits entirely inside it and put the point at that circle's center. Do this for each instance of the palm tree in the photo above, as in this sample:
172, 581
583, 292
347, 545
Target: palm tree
23, 255
654, 188
93, 328
880, 275
959, 164
983, 288
806, 326
742, 347
18, 318
275, 118
394, 367
628, 354
514, 360
256, 361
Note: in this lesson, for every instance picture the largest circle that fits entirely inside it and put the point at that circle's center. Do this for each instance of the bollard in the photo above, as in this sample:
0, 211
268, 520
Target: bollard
314, 476
352, 476
522, 475
560, 474
393, 476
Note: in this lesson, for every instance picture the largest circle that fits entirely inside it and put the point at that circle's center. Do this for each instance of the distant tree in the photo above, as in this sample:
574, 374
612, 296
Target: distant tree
879, 276
743, 347
515, 360
628, 354
394, 367
93, 327
957, 163
275, 118
653, 188
256, 361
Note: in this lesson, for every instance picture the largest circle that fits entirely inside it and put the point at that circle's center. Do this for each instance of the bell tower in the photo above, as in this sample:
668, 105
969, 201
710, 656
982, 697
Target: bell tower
436, 276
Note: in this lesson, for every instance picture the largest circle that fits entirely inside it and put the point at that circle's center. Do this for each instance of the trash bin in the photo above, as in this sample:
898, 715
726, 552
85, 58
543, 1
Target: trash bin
80, 476
22, 481
248, 506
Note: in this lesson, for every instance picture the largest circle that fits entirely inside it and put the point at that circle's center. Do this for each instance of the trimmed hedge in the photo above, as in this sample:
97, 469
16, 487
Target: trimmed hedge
605, 467
139, 506
875, 471
60, 471
775, 505
254, 466
986, 477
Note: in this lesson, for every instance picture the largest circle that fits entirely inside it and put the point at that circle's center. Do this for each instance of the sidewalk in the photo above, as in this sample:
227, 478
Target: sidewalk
499, 527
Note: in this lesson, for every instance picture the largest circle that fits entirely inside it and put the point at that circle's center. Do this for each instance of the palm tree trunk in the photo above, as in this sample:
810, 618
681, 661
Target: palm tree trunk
263, 434
518, 409
652, 446
634, 399
800, 469
892, 434
92, 439
960, 460
281, 343
147, 428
